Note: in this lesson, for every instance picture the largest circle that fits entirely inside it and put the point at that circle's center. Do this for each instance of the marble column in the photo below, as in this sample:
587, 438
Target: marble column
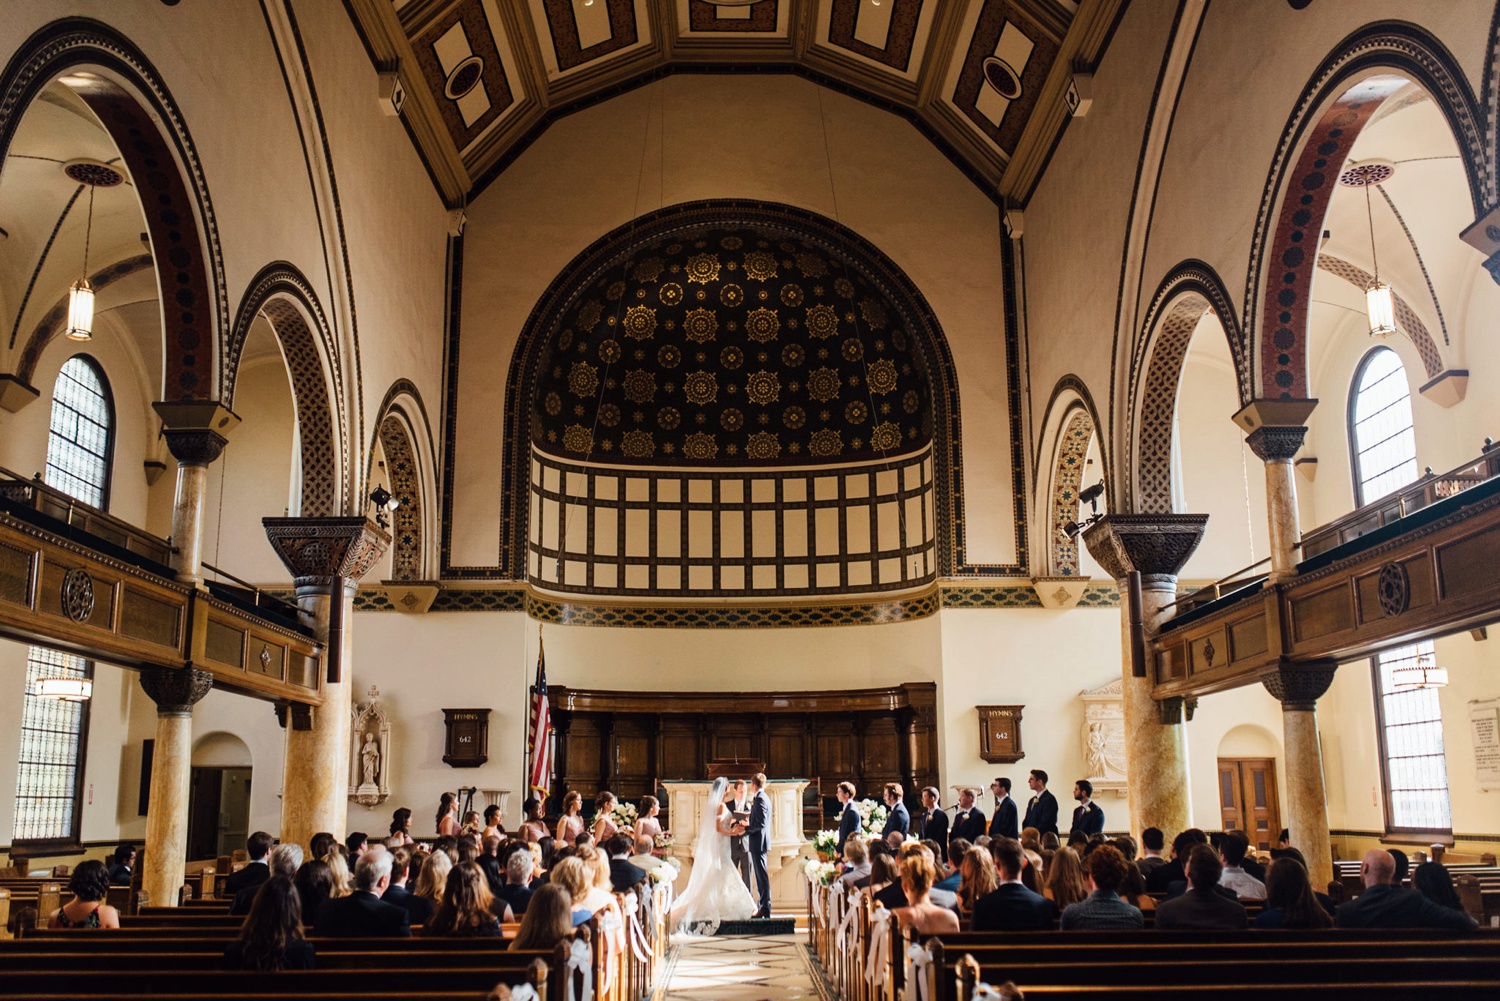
175, 691
1156, 761
327, 557
1275, 446
195, 434
1298, 688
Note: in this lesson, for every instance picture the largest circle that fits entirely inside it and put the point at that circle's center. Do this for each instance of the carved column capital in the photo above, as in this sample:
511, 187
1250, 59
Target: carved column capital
1273, 443
1156, 545
300, 714
195, 430
1298, 687
1174, 709
325, 553
175, 690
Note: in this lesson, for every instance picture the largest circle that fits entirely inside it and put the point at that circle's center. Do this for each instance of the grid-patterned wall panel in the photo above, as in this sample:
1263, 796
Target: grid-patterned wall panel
713, 532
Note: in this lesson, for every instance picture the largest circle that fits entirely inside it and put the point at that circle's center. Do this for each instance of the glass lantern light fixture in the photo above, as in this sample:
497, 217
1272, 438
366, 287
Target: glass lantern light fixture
1380, 302
81, 293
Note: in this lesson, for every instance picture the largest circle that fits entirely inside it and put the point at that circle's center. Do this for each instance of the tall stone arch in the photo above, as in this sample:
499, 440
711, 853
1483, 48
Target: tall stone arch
405, 438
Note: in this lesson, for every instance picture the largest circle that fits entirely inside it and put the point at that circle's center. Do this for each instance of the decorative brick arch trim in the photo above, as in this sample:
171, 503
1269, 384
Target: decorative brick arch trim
1338, 102
405, 436
1067, 480
1179, 303
284, 297
1407, 321
136, 109
926, 333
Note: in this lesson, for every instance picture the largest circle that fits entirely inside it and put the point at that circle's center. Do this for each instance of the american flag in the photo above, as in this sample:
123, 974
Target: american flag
539, 731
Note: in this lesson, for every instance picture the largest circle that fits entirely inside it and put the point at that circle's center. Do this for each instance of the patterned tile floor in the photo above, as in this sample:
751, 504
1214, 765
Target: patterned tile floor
748, 968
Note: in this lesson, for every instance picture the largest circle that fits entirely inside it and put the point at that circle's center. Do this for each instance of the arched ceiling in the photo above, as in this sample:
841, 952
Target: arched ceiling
985, 80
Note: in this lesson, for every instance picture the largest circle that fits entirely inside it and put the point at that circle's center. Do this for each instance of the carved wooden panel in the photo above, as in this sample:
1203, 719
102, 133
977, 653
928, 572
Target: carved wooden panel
1000, 733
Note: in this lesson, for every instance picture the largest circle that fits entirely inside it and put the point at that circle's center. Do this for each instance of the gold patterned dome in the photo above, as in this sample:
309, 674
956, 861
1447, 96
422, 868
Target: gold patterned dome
731, 345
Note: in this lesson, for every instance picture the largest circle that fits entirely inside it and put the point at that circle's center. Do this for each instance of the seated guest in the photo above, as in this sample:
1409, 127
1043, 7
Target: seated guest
356, 843
285, 860
338, 867
1202, 907
883, 871
957, 849
857, 859
1232, 849
548, 920
89, 883
490, 862
918, 873
623, 875
1011, 906
363, 914
534, 821
977, 879
599, 895
1385, 905
1133, 890
573, 877
1403, 866
255, 872
314, 884
124, 865
1031, 839
1126, 844
468, 909
271, 937
896, 839
1290, 901
1051, 842
1152, 841
1034, 872
1103, 909
418, 909
320, 844
1161, 878
401, 825
469, 851
432, 880
516, 891
1432, 880
646, 859
1065, 885
894, 895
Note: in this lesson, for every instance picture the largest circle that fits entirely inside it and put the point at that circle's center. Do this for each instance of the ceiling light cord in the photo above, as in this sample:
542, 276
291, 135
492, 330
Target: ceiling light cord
1370, 218
88, 234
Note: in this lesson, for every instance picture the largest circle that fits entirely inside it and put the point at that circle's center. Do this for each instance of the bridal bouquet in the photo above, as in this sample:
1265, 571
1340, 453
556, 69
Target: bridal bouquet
663, 841
624, 815
872, 816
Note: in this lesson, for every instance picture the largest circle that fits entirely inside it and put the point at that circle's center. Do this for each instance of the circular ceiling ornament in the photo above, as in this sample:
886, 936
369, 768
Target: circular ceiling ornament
1362, 175
1002, 78
95, 173
464, 78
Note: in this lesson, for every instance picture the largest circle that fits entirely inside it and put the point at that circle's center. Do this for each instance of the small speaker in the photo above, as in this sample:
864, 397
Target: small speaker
392, 93
1080, 94
1015, 223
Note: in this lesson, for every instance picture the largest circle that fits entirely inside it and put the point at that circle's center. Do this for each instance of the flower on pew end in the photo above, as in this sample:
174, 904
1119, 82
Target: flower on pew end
826, 843
822, 873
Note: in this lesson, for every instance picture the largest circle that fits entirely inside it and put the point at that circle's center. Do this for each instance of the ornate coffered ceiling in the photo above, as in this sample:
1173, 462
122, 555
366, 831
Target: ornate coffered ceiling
985, 80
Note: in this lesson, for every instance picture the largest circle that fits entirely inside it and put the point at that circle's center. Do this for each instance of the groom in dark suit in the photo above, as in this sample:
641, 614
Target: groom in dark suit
758, 837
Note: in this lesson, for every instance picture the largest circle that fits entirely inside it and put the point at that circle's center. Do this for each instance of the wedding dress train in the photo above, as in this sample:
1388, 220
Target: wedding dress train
715, 890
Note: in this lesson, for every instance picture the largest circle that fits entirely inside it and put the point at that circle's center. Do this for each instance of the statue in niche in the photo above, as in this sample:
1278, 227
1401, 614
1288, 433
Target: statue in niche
369, 751
369, 757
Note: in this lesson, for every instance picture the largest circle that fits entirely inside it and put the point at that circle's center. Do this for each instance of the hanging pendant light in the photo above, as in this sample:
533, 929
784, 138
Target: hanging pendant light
1380, 301
81, 293
1424, 673
65, 689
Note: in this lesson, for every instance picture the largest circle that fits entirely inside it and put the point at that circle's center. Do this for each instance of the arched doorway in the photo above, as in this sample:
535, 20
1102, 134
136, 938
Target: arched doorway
218, 796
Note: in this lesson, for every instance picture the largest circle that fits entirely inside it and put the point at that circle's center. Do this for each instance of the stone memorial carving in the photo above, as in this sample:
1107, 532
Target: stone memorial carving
370, 752
1103, 737
1484, 727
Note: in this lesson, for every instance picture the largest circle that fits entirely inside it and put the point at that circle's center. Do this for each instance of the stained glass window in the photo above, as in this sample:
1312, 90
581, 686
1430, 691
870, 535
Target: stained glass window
1411, 726
82, 424
53, 735
1380, 427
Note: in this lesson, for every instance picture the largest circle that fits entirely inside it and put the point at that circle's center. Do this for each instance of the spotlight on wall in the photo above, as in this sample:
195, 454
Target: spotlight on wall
1090, 496
384, 504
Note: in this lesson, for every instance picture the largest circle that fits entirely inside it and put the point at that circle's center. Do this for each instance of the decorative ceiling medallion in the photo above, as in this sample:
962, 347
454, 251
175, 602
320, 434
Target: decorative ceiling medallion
94, 172
1002, 78
78, 595
1394, 589
1369, 172
463, 78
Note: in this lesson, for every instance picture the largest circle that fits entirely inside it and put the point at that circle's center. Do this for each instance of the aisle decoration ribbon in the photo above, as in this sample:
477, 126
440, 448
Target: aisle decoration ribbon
580, 960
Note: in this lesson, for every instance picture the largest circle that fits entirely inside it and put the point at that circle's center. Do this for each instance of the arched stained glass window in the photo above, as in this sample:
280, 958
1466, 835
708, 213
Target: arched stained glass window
82, 433
1380, 427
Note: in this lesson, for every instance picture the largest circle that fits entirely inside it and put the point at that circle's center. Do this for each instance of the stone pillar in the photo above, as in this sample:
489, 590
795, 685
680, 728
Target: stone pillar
327, 557
1298, 688
1156, 764
1275, 446
175, 691
195, 432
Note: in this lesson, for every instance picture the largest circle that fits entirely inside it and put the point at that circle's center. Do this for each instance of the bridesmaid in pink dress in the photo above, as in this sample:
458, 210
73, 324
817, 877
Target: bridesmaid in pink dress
604, 823
447, 816
646, 825
533, 821
570, 824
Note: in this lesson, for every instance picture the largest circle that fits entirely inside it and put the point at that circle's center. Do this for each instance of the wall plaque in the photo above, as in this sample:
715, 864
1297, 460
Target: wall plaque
1000, 733
468, 743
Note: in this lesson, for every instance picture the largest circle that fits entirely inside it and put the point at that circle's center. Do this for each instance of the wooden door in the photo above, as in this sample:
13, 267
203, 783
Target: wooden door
1247, 799
205, 789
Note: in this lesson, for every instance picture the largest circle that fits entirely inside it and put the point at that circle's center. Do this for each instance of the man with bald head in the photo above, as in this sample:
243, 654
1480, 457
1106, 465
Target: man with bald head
1385, 905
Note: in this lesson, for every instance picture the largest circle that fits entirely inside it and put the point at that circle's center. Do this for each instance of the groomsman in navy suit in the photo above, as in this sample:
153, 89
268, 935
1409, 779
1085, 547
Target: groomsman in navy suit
849, 819
1006, 823
932, 822
968, 823
897, 819
1088, 819
1041, 812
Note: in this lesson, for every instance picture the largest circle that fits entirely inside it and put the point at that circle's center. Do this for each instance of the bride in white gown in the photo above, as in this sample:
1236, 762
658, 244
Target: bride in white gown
715, 890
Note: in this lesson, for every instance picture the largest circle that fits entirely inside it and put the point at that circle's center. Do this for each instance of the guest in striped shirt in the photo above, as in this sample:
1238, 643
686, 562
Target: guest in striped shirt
1103, 908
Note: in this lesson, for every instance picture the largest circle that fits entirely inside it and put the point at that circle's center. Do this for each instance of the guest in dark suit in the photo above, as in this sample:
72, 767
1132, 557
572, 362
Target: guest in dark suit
1041, 811
623, 874
1202, 907
1161, 878
1011, 906
490, 863
124, 865
897, 819
418, 909
968, 822
285, 860
932, 822
1385, 905
256, 872
1088, 819
1007, 820
1152, 841
271, 938
363, 914
849, 818
517, 890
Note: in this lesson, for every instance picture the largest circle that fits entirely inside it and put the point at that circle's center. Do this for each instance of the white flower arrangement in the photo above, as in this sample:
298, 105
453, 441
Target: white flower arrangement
624, 815
821, 873
826, 842
674, 862
663, 841
872, 816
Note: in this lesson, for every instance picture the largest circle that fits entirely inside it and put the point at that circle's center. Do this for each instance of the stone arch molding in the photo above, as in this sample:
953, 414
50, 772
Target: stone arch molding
129, 97
1191, 290
286, 299
405, 437
1072, 423
1342, 97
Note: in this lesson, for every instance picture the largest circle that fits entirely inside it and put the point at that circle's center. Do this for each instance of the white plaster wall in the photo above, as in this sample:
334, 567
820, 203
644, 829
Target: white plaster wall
603, 166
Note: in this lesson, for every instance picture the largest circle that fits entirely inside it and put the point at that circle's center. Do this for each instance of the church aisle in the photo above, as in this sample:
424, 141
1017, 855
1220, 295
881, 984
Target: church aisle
750, 968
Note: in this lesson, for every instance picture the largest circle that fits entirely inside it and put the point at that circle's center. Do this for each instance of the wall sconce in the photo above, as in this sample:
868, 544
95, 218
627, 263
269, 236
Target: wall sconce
384, 503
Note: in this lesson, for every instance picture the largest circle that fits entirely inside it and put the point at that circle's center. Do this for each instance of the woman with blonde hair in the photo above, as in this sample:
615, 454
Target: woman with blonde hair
573, 876
432, 881
570, 824
600, 893
977, 878
918, 873
1065, 879
467, 910
340, 871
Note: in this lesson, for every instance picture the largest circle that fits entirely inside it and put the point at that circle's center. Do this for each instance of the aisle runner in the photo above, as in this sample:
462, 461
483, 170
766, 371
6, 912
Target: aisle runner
754, 968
